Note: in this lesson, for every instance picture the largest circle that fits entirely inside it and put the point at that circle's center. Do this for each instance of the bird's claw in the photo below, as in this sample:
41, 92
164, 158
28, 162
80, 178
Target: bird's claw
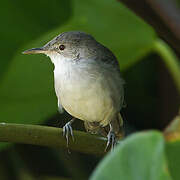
67, 130
111, 139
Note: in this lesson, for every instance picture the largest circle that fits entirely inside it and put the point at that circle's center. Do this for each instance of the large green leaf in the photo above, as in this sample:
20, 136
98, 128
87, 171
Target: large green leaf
139, 157
173, 158
22, 21
172, 134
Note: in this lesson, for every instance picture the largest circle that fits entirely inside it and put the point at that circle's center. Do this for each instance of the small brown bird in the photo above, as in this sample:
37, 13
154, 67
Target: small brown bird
88, 83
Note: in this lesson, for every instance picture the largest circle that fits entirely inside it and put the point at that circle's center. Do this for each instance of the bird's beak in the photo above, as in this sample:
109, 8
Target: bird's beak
40, 50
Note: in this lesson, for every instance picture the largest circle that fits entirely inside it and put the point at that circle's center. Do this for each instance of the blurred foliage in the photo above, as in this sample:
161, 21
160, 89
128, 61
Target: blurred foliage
144, 155
172, 150
172, 135
131, 162
22, 22
27, 94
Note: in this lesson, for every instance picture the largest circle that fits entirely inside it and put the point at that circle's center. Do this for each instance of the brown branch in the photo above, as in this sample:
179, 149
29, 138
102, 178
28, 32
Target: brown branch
163, 15
169, 14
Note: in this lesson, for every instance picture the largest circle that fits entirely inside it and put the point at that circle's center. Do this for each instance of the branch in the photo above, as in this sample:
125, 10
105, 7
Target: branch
51, 137
163, 15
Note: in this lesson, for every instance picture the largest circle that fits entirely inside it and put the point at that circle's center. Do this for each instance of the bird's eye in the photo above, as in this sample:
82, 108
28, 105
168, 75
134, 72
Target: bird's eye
62, 47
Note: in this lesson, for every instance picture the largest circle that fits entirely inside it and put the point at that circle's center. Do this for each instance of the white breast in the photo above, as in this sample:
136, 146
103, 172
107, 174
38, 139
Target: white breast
86, 90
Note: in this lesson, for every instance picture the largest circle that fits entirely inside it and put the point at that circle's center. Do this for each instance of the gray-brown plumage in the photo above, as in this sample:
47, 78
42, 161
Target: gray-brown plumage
88, 83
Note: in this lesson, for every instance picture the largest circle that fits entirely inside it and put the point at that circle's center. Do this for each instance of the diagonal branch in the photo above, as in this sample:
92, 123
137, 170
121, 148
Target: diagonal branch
163, 15
51, 137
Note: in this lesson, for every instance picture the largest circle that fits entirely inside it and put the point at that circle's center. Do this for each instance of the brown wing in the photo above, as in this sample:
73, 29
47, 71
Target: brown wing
105, 55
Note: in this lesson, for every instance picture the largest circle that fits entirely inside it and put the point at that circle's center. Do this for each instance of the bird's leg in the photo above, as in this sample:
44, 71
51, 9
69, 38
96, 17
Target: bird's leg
67, 129
111, 138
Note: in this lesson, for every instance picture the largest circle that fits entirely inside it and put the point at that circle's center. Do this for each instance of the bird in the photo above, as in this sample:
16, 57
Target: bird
88, 83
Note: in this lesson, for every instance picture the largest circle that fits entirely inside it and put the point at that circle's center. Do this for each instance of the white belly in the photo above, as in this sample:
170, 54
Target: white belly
87, 93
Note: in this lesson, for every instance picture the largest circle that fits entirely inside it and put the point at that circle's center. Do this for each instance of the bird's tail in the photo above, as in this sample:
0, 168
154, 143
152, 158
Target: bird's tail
117, 125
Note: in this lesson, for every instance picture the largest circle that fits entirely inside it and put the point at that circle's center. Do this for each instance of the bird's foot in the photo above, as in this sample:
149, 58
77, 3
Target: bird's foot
111, 139
67, 130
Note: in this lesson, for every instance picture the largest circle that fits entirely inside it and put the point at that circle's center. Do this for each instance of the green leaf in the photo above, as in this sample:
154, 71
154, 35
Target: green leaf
139, 157
170, 59
22, 22
172, 153
172, 135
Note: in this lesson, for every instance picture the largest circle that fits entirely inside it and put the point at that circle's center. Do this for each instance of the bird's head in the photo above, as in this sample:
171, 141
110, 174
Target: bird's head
69, 45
